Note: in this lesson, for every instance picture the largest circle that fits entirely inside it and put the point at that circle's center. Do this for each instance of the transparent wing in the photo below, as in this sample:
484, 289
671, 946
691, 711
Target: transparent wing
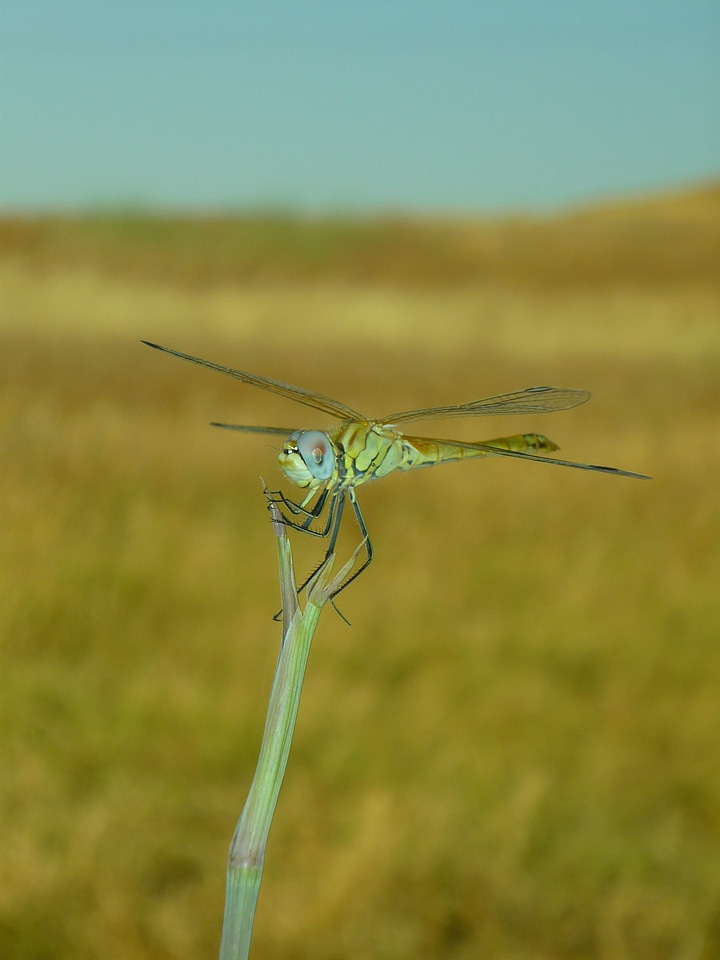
278, 431
532, 400
315, 400
500, 452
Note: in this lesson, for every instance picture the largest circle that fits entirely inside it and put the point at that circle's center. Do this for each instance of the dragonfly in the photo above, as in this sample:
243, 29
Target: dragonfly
330, 464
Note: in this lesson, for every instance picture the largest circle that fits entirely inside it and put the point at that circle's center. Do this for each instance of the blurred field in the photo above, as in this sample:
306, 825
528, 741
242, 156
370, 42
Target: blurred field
514, 752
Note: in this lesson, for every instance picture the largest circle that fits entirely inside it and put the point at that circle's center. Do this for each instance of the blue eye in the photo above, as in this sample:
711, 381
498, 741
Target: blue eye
317, 453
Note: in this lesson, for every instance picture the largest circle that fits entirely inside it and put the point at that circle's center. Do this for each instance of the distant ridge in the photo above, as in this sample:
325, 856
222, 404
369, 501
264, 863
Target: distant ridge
662, 238
701, 201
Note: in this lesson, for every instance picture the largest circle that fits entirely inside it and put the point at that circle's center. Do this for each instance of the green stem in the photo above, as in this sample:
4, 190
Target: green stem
247, 850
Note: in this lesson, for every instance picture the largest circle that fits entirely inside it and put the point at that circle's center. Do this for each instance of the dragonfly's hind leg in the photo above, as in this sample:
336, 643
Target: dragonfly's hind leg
332, 528
335, 512
365, 543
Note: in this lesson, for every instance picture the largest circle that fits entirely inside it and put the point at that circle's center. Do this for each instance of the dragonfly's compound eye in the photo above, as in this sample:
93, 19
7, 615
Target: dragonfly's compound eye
317, 453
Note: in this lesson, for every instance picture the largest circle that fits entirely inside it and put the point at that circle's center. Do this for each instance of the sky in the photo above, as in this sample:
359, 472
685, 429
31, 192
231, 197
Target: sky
354, 105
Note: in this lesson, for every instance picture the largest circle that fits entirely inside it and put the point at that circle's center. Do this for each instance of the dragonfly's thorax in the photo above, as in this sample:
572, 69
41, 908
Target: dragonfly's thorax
365, 450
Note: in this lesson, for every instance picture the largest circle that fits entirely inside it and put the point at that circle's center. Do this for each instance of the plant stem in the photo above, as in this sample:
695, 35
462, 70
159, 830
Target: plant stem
247, 850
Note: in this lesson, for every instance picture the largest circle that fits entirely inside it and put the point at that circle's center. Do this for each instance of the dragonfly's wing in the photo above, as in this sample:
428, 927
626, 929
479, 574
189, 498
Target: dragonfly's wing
500, 452
279, 431
315, 400
532, 400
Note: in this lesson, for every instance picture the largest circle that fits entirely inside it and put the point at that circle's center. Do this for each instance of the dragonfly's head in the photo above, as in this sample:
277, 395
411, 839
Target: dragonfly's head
307, 458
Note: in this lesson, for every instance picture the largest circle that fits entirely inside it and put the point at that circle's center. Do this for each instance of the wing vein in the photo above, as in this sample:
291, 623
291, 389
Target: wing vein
531, 400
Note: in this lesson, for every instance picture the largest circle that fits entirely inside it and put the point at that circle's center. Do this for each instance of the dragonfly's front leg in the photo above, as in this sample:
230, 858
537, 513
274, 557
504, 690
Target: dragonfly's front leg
301, 509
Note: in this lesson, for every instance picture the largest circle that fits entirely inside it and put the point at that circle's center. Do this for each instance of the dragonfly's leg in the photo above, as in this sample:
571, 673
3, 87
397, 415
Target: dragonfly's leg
305, 526
340, 506
277, 496
366, 543
337, 505
311, 513
316, 511
335, 512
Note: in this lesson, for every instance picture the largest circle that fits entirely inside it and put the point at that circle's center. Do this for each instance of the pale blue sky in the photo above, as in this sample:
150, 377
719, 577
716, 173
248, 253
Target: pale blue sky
329, 105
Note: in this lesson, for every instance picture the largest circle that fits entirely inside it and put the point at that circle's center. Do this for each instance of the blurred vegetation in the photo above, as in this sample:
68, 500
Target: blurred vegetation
666, 240
514, 751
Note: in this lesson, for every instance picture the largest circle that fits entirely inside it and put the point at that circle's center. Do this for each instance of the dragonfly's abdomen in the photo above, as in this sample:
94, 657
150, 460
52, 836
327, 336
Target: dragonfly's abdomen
369, 451
425, 452
522, 442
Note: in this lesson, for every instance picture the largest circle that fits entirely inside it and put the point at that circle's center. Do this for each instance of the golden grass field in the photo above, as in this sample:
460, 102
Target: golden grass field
514, 752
